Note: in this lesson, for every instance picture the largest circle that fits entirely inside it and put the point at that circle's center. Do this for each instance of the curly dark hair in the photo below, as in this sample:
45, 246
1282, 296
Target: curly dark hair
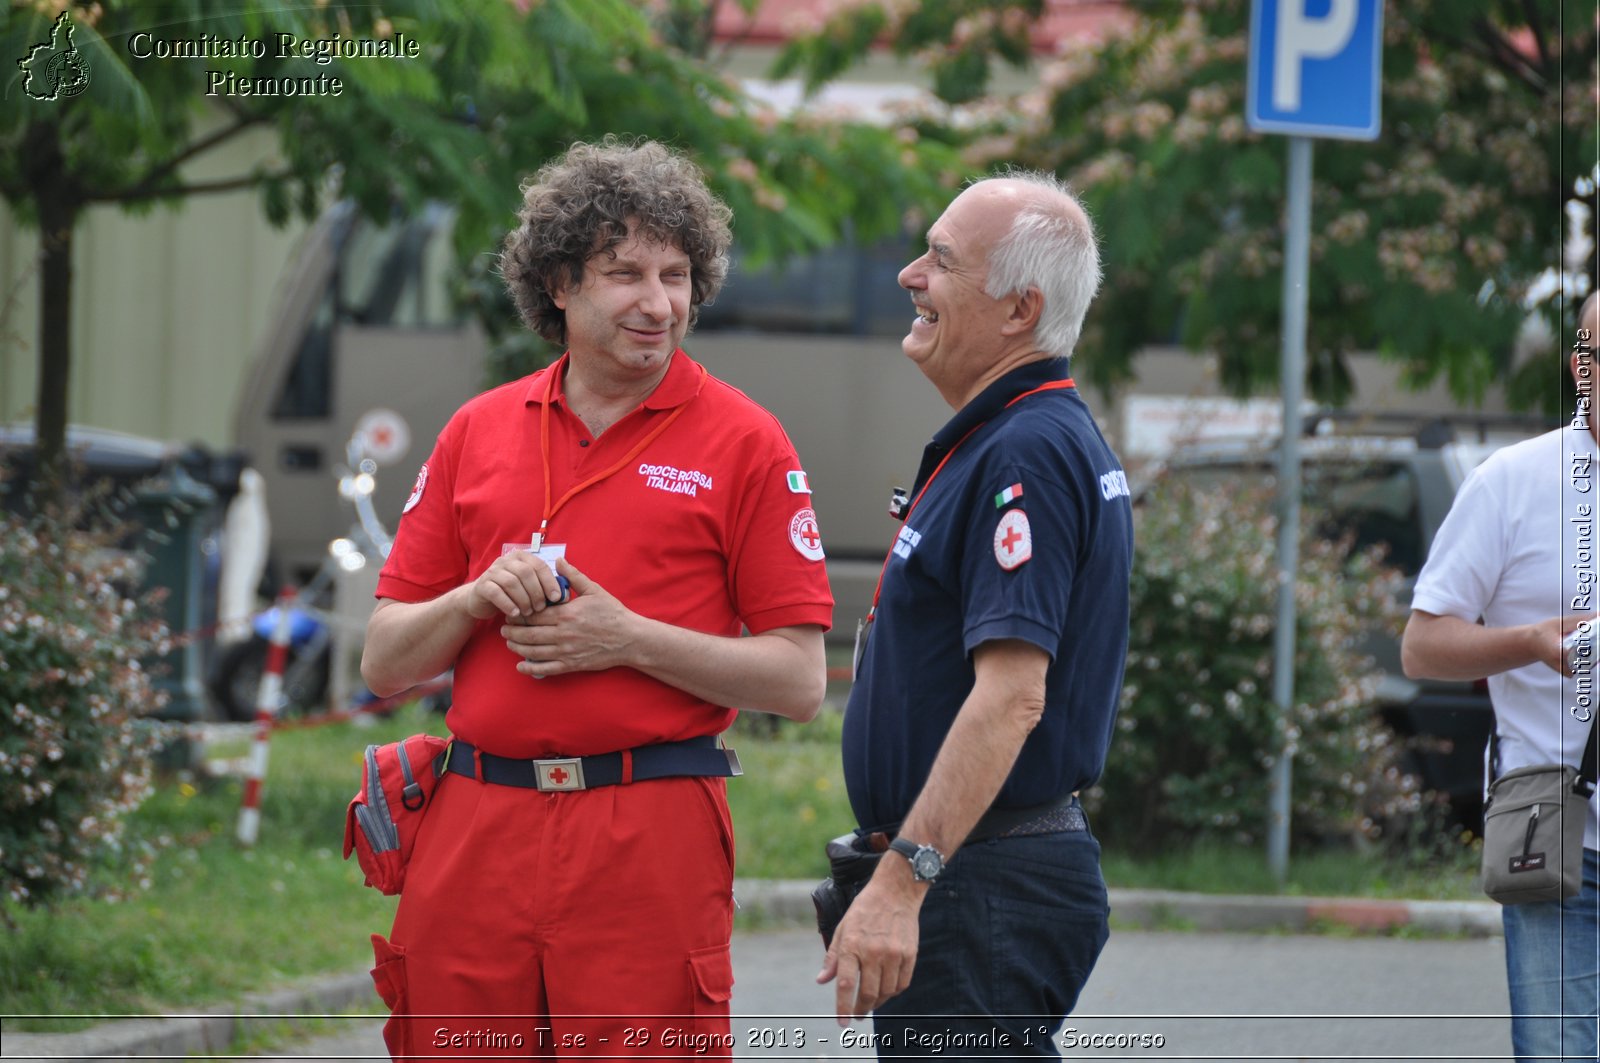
580, 204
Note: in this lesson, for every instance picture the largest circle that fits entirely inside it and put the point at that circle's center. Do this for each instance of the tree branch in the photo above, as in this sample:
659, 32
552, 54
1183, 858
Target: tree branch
1508, 59
199, 188
1531, 14
146, 187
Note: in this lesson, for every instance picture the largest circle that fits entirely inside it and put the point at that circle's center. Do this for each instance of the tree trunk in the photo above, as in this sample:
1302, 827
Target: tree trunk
55, 341
58, 216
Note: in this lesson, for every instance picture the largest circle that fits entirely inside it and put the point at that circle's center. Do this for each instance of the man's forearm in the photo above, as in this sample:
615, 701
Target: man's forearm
783, 671
1447, 647
408, 642
982, 745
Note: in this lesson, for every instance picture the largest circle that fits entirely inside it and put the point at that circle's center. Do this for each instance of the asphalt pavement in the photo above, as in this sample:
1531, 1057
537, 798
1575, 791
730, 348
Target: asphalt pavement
1185, 976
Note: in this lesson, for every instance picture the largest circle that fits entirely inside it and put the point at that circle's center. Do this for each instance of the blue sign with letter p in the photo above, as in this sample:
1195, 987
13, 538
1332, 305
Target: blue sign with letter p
1315, 67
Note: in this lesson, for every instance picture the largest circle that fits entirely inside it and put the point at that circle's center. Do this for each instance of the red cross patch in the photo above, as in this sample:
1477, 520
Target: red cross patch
1013, 539
805, 535
416, 491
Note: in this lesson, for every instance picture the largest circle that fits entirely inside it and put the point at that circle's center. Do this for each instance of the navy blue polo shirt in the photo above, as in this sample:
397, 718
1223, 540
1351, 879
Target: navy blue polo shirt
1025, 533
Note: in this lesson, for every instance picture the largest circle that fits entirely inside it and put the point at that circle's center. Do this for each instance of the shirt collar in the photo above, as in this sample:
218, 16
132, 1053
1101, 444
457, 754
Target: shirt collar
681, 383
993, 399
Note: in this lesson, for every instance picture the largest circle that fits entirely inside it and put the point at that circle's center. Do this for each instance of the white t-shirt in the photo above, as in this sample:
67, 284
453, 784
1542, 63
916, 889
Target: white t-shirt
1518, 546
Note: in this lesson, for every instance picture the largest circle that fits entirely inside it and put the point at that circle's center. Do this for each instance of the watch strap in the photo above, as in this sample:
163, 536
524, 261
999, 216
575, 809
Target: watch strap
904, 847
913, 854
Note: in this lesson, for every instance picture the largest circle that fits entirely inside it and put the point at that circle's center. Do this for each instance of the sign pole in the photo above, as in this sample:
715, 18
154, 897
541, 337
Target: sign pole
1296, 269
1308, 75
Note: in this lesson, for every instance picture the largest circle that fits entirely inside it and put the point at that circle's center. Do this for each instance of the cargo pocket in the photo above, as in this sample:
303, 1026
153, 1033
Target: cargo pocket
389, 975
711, 983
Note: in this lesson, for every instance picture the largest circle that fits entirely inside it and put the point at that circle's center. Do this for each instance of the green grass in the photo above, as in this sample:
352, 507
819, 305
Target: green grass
1210, 867
791, 799
217, 921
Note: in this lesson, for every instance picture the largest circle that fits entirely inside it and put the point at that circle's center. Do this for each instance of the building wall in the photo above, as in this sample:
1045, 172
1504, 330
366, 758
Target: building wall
167, 307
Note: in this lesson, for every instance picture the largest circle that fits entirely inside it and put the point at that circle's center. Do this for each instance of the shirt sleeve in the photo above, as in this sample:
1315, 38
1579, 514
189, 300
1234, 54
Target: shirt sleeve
776, 568
428, 557
1019, 557
1467, 556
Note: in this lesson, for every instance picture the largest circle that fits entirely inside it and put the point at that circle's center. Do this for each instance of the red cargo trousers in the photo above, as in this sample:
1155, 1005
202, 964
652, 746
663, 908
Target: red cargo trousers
584, 923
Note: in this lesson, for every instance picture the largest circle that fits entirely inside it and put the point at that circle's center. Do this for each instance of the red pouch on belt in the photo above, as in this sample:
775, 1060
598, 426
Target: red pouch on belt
381, 824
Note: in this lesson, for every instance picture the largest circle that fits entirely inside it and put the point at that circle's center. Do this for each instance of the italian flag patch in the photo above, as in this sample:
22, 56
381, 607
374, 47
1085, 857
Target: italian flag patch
798, 483
1010, 494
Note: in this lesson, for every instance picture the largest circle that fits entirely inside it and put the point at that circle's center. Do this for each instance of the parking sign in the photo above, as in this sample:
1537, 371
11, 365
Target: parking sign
1315, 67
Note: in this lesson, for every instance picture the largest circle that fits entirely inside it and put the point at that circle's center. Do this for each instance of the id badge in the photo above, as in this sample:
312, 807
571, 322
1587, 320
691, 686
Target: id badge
549, 553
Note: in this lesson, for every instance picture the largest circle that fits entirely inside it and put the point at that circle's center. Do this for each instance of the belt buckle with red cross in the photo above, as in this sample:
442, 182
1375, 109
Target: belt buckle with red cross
559, 774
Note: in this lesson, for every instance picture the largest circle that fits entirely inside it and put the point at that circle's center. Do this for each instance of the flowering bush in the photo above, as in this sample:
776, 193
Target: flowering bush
74, 757
1198, 731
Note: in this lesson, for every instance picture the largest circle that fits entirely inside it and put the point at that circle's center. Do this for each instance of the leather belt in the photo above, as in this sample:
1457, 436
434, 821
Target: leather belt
692, 756
1062, 815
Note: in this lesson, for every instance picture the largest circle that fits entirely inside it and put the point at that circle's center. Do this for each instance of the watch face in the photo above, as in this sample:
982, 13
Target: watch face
926, 864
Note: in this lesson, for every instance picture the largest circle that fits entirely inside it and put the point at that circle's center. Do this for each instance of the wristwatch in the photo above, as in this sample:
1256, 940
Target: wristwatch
926, 861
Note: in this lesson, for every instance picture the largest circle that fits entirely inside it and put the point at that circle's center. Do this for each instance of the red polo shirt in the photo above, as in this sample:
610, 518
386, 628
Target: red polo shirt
704, 529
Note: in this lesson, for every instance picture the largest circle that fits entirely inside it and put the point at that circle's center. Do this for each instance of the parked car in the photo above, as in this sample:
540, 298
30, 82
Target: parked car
1387, 480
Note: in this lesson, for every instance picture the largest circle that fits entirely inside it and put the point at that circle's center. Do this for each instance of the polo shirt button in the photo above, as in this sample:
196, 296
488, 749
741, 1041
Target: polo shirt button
583, 442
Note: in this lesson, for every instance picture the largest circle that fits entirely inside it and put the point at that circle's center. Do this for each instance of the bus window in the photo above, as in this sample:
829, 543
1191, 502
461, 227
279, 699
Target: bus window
847, 290
396, 276
307, 387
388, 276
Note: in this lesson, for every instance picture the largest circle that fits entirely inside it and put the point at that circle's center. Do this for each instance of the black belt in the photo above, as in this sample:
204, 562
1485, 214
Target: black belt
692, 756
1059, 816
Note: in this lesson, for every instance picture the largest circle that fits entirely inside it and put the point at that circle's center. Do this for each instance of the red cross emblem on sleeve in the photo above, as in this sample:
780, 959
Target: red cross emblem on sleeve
1013, 539
805, 536
416, 492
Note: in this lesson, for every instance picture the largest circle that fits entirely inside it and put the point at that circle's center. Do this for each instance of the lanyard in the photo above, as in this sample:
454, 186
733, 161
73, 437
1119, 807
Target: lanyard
550, 509
877, 591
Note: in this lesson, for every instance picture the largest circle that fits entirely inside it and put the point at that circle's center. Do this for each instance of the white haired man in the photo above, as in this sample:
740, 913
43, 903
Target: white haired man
991, 663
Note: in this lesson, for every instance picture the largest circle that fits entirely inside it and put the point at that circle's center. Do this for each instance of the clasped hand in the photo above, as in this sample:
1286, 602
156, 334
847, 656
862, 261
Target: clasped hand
586, 634
1551, 635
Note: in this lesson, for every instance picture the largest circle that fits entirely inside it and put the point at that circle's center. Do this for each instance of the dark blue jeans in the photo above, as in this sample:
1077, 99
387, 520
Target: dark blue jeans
1009, 934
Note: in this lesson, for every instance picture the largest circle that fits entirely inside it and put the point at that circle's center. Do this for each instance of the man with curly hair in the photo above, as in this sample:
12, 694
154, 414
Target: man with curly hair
584, 547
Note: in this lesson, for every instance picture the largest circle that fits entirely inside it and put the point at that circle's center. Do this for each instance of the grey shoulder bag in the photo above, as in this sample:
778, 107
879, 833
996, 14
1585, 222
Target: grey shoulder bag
1533, 829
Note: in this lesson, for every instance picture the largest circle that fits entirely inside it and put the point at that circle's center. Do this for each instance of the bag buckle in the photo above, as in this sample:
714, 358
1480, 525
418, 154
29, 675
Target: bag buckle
564, 774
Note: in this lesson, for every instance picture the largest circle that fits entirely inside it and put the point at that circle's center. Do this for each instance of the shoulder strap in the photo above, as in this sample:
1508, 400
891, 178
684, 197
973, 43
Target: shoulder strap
1588, 775
1586, 767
